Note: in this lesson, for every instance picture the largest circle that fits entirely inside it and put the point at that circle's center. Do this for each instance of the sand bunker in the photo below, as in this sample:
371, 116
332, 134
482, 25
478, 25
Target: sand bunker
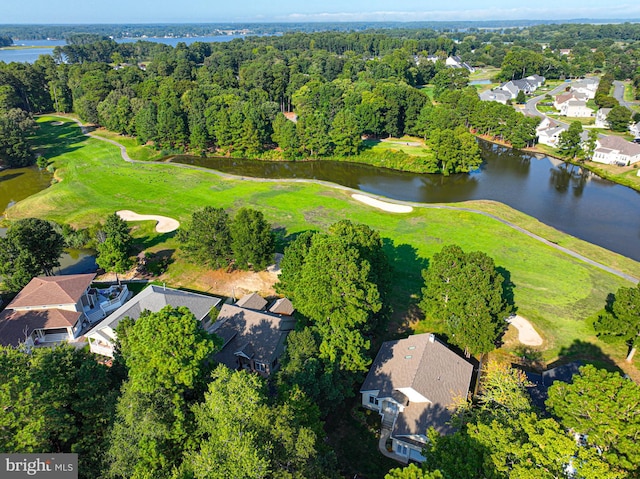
165, 225
57, 123
526, 334
382, 205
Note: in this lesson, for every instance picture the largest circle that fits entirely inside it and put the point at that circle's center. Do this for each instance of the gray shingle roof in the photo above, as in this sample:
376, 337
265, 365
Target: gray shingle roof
282, 306
154, 298
613, 142
252, 301
428, 367
258, 335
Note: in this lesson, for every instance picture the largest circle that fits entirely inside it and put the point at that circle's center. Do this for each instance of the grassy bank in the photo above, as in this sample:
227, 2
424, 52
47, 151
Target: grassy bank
555, 291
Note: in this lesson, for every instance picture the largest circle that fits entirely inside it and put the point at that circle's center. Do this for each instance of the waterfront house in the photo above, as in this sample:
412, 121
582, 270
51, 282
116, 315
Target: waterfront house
614, 150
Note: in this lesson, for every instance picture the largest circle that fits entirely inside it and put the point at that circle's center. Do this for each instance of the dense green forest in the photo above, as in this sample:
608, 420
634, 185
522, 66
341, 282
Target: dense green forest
229, 98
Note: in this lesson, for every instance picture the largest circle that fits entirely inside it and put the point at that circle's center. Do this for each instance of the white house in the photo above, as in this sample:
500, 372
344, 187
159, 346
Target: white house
565, 97
601, 118
498, 95
576, 109
412, 384
153, 298
614, 150
634, 129
549, 131
54, 309
456, 62
587, 87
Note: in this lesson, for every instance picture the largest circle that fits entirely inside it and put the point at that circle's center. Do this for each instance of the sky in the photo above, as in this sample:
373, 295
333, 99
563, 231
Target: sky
213, 11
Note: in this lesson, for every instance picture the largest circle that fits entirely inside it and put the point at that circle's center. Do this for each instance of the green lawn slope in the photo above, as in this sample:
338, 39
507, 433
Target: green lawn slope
558, 293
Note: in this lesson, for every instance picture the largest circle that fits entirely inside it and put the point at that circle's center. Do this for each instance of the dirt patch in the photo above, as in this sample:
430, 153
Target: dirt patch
237, 283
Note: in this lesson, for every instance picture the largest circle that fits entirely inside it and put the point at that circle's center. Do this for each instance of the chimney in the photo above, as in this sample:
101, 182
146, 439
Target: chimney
432, 338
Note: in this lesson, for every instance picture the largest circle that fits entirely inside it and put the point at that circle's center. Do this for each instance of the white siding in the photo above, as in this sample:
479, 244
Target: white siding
413, 395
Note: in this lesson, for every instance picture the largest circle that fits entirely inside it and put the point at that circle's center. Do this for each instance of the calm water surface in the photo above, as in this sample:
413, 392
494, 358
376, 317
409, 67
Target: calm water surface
560, 195
45, 47
20, 183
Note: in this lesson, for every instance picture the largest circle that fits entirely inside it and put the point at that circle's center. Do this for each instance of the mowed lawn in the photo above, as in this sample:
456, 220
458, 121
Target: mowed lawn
558, 293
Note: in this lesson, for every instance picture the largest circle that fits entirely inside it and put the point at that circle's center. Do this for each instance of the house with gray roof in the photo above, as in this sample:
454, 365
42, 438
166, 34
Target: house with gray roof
496, 95
413, 384
601, 118
549, 131
614, 150
252, 301
252, 340
153, 298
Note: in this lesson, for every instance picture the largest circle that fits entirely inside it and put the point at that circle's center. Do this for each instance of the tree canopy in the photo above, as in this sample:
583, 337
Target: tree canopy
622, 318
465, 293
31, 247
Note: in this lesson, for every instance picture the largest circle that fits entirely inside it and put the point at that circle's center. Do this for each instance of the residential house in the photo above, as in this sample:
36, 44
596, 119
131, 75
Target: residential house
601, 118
496, 95
576, 109
634, 129
451, 61
614, 150
586, 86
549, 131
55, 309
252, 340
153, 298
282, 306
455, 61
565, 97
413, 383
252, 301
536, 80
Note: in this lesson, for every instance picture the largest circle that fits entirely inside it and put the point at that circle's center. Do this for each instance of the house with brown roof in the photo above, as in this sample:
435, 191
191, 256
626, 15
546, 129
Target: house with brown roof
252, 340
54, 309
413, 384
614, 150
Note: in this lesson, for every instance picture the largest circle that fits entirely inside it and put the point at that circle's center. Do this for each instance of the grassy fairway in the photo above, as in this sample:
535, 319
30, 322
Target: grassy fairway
556, 292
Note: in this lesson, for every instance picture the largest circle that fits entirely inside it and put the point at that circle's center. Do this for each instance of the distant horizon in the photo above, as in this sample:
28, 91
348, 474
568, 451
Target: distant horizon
594, 21
117, 12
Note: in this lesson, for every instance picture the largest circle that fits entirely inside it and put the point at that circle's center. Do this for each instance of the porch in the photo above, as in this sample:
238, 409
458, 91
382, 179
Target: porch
108, 300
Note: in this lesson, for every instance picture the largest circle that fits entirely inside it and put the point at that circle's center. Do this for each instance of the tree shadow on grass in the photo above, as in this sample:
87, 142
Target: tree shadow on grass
406, 292
587, 353
149, 241
58, 140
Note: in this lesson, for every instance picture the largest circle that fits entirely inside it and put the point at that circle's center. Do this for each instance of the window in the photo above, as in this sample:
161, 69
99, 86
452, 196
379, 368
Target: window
373, 400
402, 449
261, 367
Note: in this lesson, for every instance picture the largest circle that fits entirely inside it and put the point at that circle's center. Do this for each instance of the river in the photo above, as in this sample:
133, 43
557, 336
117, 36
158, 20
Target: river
561, 195
45, 47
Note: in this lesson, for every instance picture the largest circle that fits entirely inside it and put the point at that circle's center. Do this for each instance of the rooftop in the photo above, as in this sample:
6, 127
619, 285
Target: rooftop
52, 291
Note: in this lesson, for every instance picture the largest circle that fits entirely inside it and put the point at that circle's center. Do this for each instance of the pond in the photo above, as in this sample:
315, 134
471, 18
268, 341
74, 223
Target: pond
20, 183
561, 195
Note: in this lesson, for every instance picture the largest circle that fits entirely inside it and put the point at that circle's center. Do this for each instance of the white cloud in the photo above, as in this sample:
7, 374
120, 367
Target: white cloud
559, 13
